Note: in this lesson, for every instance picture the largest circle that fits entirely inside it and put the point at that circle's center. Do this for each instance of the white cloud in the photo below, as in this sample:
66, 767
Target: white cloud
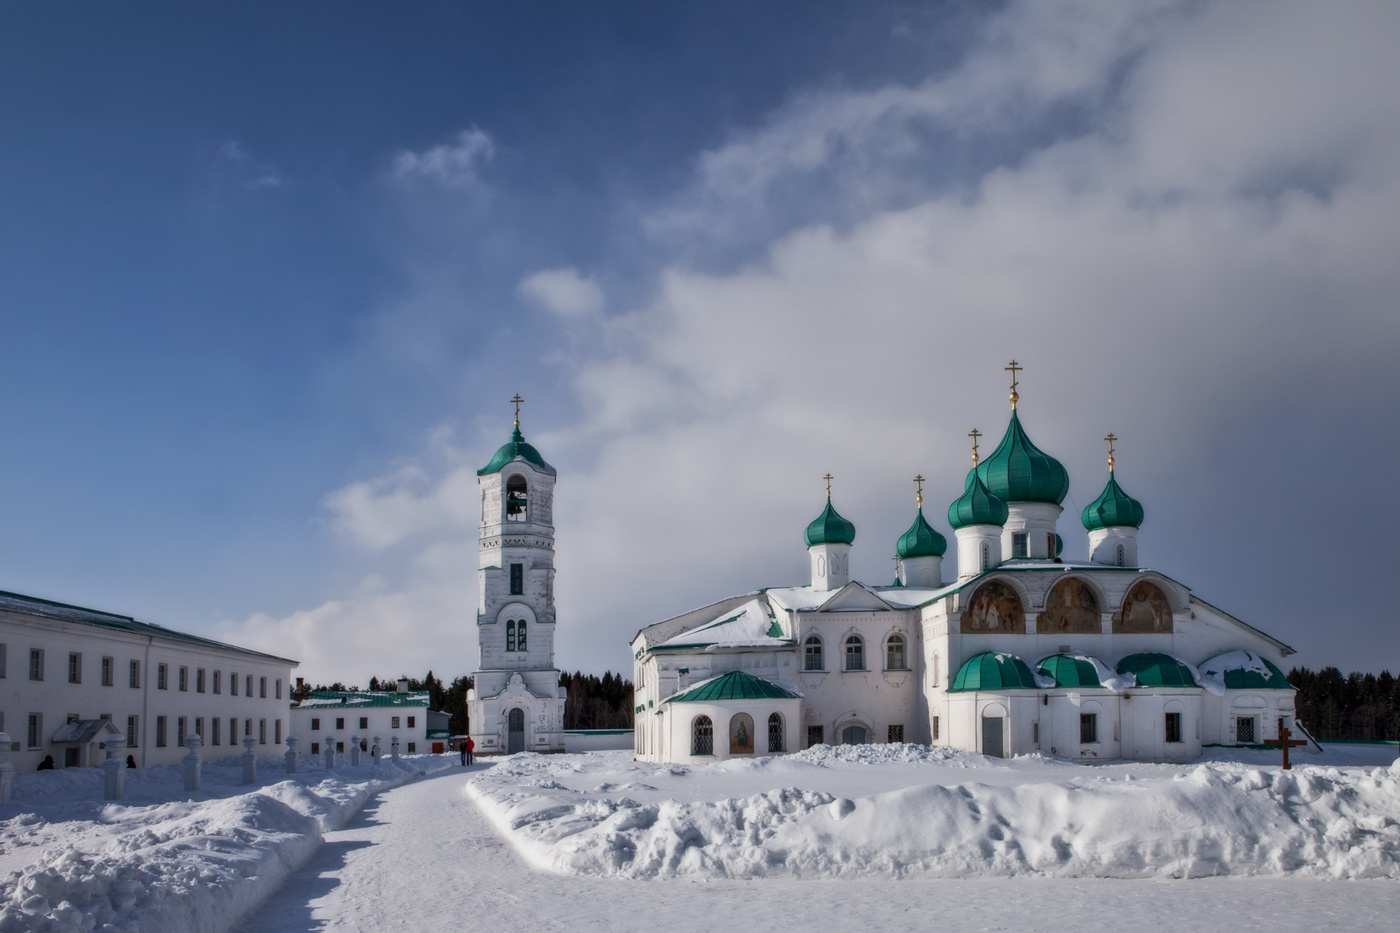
563, 291
456, 164
250, 173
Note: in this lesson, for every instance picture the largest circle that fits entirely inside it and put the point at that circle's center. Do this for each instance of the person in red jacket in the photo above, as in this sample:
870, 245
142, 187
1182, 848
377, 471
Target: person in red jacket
467, 747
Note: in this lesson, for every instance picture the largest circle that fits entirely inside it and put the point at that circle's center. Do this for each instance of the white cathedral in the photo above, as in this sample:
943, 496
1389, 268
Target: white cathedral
1022, 652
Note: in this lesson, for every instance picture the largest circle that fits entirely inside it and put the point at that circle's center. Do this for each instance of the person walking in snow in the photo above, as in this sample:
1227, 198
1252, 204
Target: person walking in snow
463, 748
469, 745
131, 761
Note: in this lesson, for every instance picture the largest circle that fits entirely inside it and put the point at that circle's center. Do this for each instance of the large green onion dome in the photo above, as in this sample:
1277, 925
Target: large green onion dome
829, 528
516, 449
921, 540
1019, 471
1113, 507
977, 505
992, 670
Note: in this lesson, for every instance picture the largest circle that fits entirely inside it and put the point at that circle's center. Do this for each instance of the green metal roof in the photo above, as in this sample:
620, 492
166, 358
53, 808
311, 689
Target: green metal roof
977, 505
1019, 471
1070, 672
921, 540
1153, 669
829, 528
992, 670
736, 685
516, 449
1113, 507
1242, 678
359, 699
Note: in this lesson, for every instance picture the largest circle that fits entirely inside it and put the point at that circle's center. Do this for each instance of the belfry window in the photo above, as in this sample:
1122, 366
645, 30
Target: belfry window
517, 500
510, 634
517, 579
520, 635
812, 654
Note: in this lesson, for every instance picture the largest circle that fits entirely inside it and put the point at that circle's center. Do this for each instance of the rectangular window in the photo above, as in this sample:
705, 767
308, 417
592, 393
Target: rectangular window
199, 681
233, 730
1035, 733
814, 736
277, 732
339, 723
218, 686
1050, 548
315, 748
107, 665
364, 722
36, 729
214, 731
412, 747
896, 734
75, 667
315, 725
1019, 544
4, 657
247, 727
1173, 727
812, 654
1088, 728
393, 722
517, 579
233, 683
131, 731
248, 686
134, 674
1244, 730
36, 663
262, 687
340, 747
278, 694
184, 679
180, 730
162, 677
935, 728
160, 732
410, 721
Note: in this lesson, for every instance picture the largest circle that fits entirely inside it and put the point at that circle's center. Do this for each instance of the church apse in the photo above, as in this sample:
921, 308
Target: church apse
994, 609
1071, 608
1145, 612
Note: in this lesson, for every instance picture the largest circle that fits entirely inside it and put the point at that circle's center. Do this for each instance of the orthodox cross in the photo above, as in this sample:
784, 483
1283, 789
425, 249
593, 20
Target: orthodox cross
974, 434
1013, 369
896, 566
517, 400
1110, 438
827, 477
1284, 734
919, 490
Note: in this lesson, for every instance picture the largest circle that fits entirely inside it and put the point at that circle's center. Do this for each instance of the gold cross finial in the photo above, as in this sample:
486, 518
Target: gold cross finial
517, 400
974, 434
827, 477
1013, 369
919, 489
1110, 438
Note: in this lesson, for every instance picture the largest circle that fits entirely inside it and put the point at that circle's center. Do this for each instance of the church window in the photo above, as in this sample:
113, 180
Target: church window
510, 634
199, 680
364, 722
36, 663
1244, 730
180, 733
1119, 557
520, 635
1020, 546
894, 653
702, 740
815, 736
896, 734
517, 500
160, 732
934, 728
775, 733
218, 681
1088, 728
986, 556
812, 654
517, 579
1173, 727
315, 725
855, 653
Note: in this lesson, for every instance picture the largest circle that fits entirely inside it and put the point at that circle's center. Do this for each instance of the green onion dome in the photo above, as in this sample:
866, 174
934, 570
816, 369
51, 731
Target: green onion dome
516, 449
829, 528
1019, 471
921, 540
992, 670
1113, 507
977, 505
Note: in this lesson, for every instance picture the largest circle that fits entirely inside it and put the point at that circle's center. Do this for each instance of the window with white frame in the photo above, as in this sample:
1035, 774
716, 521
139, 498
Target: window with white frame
162, 675
36, 663
894, 653
133, 677
131, 731
1020, 545
855, 653
107, 673
262, 731
184, 679
35, 732
233, 683
217, 682
702, 736
214, 730
393, 722
181, 730
262, 687
315, 725
75, 667
410, 721
199, 680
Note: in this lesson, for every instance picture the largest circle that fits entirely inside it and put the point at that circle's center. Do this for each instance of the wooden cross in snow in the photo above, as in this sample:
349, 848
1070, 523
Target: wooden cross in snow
1283, 741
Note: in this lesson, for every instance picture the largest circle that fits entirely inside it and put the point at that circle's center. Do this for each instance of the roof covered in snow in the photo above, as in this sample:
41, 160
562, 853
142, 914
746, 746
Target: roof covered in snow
345, 699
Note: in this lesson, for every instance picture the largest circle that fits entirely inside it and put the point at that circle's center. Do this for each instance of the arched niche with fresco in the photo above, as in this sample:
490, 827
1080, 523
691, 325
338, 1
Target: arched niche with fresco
994, 609
1070, 607
1145, 611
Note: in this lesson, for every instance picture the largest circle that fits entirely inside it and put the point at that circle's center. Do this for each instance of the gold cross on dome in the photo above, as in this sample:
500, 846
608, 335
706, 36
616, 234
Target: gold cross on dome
827, 477
974, 434
1013, 369
517, 400
919, 489
1110, 438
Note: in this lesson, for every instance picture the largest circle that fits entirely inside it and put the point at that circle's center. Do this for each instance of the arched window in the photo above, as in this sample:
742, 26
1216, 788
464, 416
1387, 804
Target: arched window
894, 653
855, 653
517, 500
702, 736
933, 669
510, 634
986, 556
812, 654
775, 733
520, 635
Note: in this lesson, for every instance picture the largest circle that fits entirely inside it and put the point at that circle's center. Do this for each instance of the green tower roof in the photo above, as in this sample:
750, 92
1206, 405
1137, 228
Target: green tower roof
1157, 670
992, 670
1019, 471
1070, 672
829, 528
1112, 507
516, 449
921, 540
736, 685
977, 505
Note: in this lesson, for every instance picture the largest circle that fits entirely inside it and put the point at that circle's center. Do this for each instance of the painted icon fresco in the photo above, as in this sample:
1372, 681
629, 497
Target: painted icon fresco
1070, 607
741, 734
1145, 612
994, 608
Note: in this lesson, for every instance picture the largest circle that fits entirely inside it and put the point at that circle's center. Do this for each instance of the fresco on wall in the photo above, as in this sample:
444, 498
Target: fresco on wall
741, 734
994, 608
1071, 608
1145, 612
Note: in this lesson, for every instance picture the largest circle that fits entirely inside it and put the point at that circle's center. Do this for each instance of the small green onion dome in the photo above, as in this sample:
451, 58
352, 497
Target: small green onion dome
1070, 671
1153, 669
1113, 507
516, 449
977, 505
1019, 471
992, 670
921, 540
829, 528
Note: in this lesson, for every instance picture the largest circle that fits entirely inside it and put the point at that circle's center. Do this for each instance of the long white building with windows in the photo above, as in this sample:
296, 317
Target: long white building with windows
70, 677
1019, 652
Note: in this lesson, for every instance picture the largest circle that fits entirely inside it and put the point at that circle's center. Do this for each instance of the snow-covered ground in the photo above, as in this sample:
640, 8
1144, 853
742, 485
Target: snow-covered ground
162, 859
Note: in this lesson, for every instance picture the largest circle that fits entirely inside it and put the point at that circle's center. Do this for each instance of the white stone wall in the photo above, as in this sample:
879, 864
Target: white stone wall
1037, 520
831, 566
313, 725
971, 539
1104, 545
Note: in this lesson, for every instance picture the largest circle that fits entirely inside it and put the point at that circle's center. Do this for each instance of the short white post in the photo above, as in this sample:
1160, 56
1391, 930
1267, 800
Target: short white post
354, 751
114, 768
374, 750
250, 761
291, 755
7, 770
330, 753
394, 748
191, 761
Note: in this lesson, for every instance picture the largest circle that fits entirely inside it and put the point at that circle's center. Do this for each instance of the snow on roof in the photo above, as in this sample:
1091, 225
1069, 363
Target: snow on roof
83, 730
751, 624
1109, 679
344, 699
1240, 670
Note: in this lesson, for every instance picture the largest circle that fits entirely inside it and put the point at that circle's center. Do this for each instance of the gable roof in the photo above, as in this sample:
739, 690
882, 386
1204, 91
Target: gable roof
750, 625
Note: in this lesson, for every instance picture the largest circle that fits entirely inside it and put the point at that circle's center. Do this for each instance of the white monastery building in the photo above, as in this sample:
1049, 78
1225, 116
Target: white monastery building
1021, 652
71, 677
516, 703
342, 717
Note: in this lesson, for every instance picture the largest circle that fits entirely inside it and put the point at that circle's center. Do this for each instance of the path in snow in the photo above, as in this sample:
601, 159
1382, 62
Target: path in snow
422, 857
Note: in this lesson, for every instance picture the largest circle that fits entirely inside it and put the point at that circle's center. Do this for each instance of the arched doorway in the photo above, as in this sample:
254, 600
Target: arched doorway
515, 731
853, 735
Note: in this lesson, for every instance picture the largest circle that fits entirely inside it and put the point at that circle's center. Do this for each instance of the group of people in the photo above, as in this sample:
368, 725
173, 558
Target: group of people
466, 749
48, 764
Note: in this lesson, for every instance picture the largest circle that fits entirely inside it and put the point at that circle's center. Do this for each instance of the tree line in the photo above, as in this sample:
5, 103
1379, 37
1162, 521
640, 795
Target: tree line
1352, 706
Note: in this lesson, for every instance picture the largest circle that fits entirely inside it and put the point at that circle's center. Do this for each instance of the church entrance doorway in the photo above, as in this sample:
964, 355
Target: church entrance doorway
853, 735
515, 731
991, 737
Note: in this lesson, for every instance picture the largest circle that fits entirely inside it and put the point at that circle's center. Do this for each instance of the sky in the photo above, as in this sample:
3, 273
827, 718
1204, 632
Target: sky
269, 274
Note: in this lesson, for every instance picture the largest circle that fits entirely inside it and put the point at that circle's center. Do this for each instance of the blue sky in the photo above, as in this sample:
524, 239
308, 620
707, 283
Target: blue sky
268, 274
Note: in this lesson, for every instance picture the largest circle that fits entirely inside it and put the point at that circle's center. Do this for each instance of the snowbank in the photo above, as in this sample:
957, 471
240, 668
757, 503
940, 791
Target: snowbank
1034, 816
161, 859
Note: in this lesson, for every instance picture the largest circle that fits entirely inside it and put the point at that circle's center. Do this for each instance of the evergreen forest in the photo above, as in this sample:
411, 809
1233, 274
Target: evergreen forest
1333, 705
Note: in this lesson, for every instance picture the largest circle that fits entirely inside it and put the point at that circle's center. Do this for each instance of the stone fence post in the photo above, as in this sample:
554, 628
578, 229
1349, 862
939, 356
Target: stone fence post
355, 751
375, 750
192, 762
250, 761
330, 753
114, 768
394, 748
291, 755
